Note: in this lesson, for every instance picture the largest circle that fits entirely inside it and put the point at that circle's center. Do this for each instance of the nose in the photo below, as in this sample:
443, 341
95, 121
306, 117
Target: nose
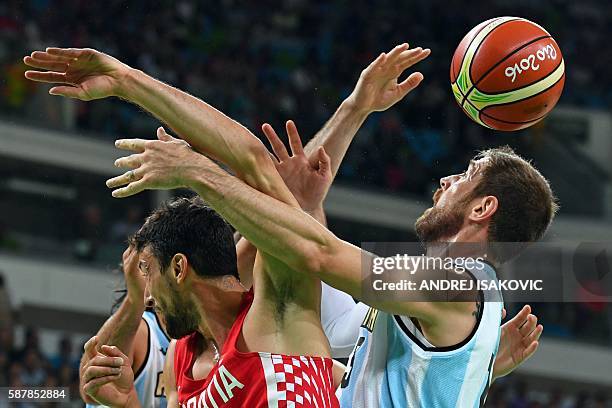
446, 182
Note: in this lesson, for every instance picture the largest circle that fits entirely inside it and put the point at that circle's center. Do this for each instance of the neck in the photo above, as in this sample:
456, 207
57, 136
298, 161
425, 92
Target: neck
468, 242
218, 310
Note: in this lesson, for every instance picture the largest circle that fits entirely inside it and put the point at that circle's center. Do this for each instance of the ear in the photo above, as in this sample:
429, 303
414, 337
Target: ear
484, 209
179, 267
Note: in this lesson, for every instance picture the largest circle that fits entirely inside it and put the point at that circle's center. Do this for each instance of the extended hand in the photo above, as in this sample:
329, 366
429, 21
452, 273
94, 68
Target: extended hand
519, 341
378, 89
158, 165
84, 74
308, 178
107, 376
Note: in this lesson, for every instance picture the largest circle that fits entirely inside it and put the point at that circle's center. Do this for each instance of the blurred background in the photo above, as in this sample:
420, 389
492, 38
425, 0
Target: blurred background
62, 234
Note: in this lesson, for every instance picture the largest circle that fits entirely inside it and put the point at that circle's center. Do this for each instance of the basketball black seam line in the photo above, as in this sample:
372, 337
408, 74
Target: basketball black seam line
509, 103
526, 85
500, 62
467, 48
520, 100
512, 90
477, 48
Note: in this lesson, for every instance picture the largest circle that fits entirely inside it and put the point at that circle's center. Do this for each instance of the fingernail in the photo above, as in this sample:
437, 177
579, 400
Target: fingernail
116, 370
119, 361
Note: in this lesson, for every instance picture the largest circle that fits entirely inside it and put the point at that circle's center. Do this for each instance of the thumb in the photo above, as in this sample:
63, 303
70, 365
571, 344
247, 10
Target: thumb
324, 161
91, 347
162, 135
410, 83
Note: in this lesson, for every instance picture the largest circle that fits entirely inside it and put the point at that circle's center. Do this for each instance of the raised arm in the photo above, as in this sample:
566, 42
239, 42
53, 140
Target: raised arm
377, 89
87, 74
125, 327
293, 236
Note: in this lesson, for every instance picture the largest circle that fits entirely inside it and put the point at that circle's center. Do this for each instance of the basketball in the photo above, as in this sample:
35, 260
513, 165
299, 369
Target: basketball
507, 73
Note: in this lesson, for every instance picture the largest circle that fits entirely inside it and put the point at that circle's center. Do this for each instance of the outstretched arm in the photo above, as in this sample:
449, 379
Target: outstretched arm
377, 89
88, 74
293, 236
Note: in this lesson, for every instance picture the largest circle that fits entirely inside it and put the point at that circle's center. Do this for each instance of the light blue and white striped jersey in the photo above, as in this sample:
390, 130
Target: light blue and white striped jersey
393, 364
148, 380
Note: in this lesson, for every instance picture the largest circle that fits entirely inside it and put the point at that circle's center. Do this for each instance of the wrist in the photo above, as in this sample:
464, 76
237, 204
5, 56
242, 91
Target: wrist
204, 177
127, 83
352, 107
131, 400
135, 307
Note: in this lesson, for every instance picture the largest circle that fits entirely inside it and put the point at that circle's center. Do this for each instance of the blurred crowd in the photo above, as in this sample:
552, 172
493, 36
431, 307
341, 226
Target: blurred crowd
25, 364
272, 61
512, 393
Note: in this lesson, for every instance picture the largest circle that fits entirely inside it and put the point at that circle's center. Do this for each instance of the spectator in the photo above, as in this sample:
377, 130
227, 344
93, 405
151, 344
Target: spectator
64, 355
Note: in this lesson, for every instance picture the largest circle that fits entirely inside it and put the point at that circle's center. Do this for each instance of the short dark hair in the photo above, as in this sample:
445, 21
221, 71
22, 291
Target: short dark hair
526, 203
189, 226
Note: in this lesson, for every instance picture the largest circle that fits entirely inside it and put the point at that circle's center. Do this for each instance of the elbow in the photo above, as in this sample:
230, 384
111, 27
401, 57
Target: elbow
257, 167
256, 156
317, 258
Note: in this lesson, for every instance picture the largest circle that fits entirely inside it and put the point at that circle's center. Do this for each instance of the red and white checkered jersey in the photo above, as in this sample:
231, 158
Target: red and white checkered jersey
254, 379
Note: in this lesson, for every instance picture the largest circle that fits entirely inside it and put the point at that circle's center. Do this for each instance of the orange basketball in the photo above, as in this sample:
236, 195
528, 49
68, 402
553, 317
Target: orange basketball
507, 73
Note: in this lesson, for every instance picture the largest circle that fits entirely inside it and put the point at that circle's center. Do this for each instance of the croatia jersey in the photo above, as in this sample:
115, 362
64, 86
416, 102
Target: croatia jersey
252, 379
148, 380
393, 364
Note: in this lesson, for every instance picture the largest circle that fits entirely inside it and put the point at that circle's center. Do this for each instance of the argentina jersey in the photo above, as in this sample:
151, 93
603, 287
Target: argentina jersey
393, 364
148, 381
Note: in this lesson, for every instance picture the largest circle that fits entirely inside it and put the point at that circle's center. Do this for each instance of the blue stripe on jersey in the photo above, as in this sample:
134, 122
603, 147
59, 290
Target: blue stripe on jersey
396, 371
444, 379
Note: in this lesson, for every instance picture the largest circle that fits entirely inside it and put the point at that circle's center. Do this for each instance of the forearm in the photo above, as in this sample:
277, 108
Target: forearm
288, 233
119, 330
205, 128
338, 133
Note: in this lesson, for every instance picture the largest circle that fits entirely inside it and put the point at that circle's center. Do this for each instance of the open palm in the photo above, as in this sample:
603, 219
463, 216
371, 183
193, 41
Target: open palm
378, 87
84, 74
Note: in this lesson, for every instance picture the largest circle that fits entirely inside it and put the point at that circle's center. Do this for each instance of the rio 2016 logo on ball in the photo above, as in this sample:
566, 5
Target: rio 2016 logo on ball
507, 73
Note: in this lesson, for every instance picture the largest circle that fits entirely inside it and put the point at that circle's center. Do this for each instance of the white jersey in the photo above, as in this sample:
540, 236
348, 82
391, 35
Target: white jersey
148, 380
393, 364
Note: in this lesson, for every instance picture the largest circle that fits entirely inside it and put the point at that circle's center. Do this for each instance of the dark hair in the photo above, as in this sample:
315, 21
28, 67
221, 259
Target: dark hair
189, 226
526, 203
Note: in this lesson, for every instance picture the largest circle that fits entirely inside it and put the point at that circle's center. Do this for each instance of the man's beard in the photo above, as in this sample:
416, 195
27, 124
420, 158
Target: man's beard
181, 317
440, 223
